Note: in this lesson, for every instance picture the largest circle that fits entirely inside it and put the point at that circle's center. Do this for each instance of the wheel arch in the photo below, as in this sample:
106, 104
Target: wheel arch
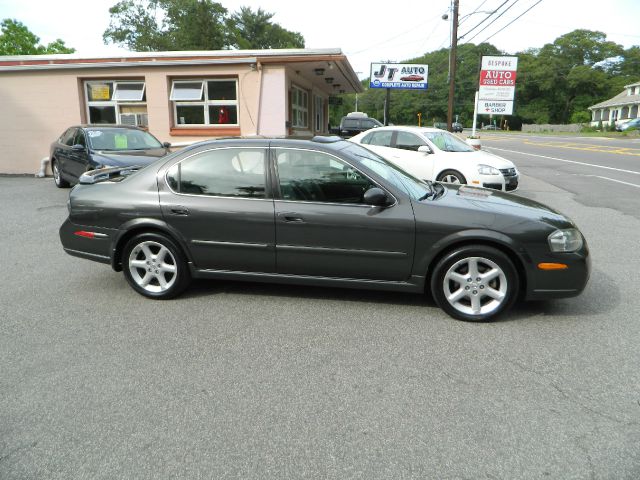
139, 226
500, 242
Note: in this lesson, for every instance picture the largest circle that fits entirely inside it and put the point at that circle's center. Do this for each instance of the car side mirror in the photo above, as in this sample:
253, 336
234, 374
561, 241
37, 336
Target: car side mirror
425, 149
78, 148
166, 145
376, 196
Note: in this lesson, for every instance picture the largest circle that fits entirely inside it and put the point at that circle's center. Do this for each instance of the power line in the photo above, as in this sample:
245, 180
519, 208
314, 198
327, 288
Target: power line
493, 35
466, 17
484, 19
493, 21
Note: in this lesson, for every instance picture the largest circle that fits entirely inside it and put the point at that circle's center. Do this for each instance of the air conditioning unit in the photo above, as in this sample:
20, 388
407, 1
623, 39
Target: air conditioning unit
134, 119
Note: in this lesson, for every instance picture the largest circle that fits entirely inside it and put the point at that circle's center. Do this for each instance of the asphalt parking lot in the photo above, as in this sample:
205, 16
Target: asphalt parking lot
240, 380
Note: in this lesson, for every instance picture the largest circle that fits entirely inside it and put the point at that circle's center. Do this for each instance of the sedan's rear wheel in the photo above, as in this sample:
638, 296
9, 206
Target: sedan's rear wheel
451, 176
475, 283
59, 181
155, 266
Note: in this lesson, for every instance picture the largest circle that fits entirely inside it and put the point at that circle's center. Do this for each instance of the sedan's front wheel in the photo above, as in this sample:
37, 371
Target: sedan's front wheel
155, 266
452, 176
475, 283
59, 181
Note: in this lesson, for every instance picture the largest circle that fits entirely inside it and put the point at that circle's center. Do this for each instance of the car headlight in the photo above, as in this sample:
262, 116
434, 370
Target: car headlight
488, 170
568, 240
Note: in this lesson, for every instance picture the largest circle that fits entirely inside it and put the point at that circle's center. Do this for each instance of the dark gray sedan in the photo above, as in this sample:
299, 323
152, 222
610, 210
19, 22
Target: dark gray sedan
324, 212
88, 147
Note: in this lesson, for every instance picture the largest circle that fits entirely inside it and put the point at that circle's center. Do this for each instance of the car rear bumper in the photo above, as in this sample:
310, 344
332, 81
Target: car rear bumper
91, 243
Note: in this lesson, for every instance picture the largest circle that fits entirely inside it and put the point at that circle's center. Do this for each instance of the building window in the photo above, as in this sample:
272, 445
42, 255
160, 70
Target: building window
205, 102
299, 107
114, 101
319, 114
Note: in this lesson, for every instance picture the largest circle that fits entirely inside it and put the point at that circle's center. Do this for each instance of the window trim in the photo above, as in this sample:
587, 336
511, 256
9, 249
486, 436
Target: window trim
205, 103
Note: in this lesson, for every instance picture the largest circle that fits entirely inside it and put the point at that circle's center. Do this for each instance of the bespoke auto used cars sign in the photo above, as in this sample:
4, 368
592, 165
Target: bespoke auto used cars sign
408, 76
497, 85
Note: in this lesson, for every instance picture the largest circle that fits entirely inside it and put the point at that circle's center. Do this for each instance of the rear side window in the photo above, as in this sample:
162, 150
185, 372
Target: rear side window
350, 123
228, 172
382, 139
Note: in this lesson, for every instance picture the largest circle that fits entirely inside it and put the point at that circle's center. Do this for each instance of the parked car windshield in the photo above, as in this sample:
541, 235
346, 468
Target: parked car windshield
447, 142
415, 188
113, 139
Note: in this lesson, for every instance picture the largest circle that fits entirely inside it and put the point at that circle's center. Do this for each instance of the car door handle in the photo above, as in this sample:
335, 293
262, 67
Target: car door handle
291, 217
179, 210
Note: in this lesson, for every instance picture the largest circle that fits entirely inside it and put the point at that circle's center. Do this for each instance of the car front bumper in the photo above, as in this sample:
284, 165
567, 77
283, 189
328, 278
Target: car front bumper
568, 282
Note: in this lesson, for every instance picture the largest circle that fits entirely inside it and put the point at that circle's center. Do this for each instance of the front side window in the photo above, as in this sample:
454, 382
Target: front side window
307, 175
225, 172
205, 102
299, 107
447, 142
116, 101
409, 141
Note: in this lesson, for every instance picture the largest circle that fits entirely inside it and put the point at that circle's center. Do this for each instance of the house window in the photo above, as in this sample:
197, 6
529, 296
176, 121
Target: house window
299, 107
319, 114
205, 102
115, 101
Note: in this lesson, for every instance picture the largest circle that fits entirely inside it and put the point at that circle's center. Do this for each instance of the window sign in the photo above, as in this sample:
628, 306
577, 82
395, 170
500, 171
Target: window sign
100, 92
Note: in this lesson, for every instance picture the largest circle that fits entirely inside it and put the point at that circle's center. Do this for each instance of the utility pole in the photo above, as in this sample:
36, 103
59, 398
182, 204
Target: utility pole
452, 63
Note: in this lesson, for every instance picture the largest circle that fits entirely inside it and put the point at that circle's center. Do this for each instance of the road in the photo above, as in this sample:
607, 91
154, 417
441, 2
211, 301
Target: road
248, 381
602, 172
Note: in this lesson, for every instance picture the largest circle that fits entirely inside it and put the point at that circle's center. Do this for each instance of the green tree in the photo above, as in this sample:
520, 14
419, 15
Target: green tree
254, 30
16, 39
164, 25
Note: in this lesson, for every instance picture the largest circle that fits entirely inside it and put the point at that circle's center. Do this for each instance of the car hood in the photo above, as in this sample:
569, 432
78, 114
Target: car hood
479, 156
492, 207
127, 158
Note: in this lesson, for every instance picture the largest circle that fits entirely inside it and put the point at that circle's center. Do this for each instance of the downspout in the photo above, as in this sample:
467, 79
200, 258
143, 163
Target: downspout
43, 168
259, 67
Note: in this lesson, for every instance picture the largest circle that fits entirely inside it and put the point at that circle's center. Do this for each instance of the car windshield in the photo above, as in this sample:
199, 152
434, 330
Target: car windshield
447, 142
114, 139
415, 188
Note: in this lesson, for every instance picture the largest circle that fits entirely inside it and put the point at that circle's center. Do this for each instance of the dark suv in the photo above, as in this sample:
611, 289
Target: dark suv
355, 123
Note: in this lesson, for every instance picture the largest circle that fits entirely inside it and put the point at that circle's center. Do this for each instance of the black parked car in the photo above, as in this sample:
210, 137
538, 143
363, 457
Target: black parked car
88, 147
355, 123
321, 212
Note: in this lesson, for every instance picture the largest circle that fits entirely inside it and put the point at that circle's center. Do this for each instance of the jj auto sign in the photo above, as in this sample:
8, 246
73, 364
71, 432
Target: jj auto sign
497, 85
407, 76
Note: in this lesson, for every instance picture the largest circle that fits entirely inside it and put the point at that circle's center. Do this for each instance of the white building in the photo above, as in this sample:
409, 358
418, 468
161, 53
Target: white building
618, 109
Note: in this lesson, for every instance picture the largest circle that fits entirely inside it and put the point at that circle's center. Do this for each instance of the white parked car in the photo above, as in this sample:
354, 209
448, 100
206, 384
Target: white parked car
434, 154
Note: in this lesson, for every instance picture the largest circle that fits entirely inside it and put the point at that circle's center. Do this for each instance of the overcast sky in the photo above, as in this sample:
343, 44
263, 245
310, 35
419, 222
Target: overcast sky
366, 31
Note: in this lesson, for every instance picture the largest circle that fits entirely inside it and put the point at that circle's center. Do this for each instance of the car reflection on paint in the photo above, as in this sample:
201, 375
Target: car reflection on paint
322, 212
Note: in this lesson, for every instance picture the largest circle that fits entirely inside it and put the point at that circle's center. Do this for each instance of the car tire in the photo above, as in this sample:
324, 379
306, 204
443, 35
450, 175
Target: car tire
451, 176
57, 177
155, 266
475, 283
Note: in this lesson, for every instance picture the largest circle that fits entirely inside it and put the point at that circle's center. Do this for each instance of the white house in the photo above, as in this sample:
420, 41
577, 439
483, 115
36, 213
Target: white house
618, 109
